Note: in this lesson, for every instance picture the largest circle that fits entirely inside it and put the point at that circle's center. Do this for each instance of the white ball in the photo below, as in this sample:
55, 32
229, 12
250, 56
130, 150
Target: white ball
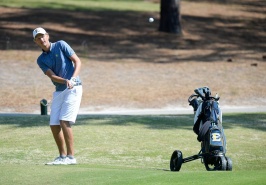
151, 19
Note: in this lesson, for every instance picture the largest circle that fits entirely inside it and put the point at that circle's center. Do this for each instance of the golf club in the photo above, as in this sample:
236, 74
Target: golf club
44, 103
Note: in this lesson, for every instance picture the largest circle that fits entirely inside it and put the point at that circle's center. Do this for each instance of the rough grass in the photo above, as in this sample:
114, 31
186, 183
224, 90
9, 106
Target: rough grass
85, 5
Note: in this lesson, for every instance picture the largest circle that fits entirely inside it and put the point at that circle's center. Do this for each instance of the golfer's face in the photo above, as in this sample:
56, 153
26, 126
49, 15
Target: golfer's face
42, 40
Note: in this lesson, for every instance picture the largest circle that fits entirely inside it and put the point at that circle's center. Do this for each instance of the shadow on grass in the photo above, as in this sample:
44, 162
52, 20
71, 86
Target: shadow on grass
20, 120
128, 34
256, 121
150, 121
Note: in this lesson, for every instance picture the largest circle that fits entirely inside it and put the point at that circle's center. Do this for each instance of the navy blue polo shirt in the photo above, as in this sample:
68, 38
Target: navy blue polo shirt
57, 59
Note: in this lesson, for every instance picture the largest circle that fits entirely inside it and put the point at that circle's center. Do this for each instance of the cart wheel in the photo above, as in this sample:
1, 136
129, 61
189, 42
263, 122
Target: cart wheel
229, 164
176, 160
222, 163
215, 163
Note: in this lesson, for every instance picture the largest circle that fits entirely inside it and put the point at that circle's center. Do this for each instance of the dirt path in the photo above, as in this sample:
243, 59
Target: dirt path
127, 64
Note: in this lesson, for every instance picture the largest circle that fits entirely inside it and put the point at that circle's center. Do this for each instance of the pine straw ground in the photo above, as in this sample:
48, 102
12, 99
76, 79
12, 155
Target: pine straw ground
128, 64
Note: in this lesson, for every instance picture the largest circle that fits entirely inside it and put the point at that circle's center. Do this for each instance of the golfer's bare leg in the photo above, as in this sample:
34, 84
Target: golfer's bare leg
59, 138
68, 135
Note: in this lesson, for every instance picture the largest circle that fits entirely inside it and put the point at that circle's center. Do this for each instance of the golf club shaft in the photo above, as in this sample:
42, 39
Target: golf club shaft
49, 103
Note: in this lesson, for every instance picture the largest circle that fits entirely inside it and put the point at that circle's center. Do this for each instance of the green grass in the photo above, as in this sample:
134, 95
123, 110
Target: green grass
117, 5
128, 150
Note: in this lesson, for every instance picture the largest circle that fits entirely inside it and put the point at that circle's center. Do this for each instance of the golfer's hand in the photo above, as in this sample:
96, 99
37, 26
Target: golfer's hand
69, 85
73, 81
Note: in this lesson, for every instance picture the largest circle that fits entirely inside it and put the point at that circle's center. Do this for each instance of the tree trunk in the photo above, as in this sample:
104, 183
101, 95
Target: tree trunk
170, 21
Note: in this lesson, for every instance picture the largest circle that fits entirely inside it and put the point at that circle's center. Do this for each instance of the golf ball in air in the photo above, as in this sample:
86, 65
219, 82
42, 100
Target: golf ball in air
151, 19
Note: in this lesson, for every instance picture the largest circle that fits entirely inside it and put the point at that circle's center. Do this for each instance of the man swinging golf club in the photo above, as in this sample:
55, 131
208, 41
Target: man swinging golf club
60, 63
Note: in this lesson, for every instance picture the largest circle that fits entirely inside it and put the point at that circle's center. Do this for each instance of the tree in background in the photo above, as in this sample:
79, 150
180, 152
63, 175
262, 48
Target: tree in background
170, 20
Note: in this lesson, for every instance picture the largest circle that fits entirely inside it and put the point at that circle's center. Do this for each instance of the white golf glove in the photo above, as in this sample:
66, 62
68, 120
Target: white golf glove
73, 81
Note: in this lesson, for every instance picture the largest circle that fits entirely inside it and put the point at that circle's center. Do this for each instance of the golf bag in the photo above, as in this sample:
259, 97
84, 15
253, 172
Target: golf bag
208, 120
209, 130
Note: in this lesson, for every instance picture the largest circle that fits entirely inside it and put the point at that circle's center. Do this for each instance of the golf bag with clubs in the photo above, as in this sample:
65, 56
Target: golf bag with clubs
209, 130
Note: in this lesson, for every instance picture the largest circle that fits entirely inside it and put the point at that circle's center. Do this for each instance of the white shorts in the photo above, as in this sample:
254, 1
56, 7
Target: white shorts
65, 105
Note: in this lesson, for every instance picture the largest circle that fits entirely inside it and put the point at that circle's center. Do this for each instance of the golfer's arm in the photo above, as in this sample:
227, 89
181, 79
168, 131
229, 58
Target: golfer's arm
54, 77
77, 64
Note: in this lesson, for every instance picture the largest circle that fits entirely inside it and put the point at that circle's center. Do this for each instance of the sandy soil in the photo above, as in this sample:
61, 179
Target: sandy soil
128, 64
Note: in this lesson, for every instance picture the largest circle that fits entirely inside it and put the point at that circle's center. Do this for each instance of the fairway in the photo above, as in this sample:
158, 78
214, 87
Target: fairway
128, 150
